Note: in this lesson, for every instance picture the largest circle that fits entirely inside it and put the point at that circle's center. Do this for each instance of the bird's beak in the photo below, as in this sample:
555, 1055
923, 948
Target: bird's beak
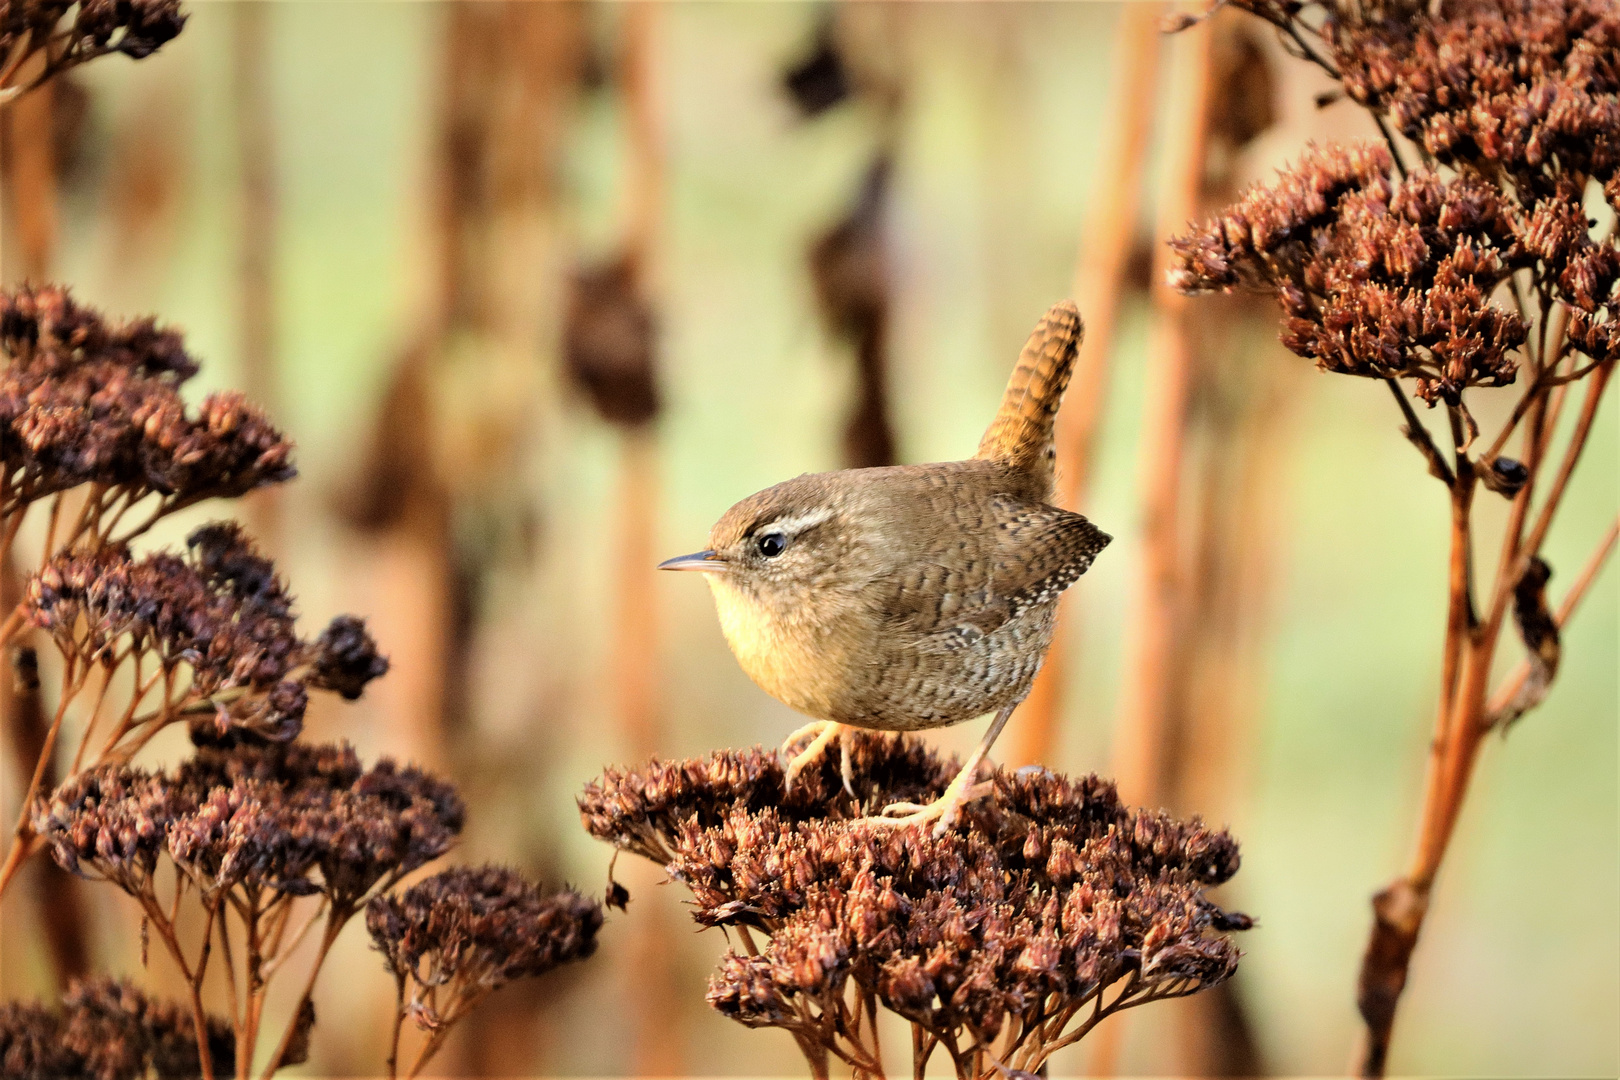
707, 561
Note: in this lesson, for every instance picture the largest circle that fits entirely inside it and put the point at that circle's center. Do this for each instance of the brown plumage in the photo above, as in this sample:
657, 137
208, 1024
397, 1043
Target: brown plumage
910, 596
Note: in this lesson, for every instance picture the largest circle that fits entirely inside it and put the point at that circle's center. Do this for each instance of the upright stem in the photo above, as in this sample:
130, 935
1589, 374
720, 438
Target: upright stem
1462, 721
1099, 289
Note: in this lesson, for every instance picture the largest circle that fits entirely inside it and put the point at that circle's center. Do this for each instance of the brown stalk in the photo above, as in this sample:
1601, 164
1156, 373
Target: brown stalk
1099, 287
1146, 699
1145, 703
1464, 717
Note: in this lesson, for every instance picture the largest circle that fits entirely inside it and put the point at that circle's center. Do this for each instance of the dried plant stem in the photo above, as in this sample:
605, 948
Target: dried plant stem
1465, 712
1145, 704
1099, 289
334, 923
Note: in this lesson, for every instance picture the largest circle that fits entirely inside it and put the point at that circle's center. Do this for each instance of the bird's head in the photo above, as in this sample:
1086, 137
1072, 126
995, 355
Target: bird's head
778, 545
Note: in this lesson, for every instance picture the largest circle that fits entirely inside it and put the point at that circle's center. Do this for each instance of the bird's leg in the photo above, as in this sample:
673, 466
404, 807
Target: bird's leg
961, 791
825, 732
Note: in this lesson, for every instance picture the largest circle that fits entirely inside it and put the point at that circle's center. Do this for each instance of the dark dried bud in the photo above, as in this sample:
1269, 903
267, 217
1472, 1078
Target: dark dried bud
346, 658
821, 79
1505, 476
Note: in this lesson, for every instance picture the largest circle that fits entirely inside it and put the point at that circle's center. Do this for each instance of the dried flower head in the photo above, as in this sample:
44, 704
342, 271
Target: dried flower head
84, 401
295, 819
1519, 101
1052, 906
1374, 279
108, 1030
462, 933
1527, 87
218, 626
136, 28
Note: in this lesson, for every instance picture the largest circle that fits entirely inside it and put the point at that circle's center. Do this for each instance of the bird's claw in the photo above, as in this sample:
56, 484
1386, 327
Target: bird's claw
946, 809
825, 732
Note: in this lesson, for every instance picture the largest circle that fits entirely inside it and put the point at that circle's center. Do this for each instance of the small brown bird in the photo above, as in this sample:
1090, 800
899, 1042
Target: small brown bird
910, 596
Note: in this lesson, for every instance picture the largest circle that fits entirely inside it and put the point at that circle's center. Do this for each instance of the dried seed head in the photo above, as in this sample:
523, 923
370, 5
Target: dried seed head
474, 929
1050, 890
222, 614
295, 818
109, 1030
83, 400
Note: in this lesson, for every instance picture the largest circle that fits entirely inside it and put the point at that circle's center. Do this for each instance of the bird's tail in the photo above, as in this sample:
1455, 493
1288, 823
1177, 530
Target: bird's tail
1021, 433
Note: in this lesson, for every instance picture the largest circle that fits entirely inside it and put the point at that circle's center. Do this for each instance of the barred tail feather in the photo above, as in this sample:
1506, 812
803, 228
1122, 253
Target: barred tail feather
1021, 433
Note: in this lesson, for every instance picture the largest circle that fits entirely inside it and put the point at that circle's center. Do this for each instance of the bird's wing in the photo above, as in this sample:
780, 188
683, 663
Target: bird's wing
968, 590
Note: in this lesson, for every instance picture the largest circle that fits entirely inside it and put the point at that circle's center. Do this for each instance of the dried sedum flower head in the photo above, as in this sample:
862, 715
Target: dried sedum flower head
1002, 941
218, 625
465, 932
296, 819
136, 28
1374, 279
85, 401
108, 1030
1527, 88
1513, 107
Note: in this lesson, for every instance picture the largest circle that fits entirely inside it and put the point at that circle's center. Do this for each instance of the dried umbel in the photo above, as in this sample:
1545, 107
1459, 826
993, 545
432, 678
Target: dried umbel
210, 636
85, 401
453, 938
1385, 269
68, 33
252, 830
1374, 279
292, 820
108, 1030
1002, 941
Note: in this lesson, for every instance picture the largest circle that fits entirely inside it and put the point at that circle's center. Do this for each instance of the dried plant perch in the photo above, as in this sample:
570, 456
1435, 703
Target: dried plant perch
43, 38
258, 838
1463, 253
1008, 938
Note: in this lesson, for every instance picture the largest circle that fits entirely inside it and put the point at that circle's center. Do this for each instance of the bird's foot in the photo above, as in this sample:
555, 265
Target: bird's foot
825, 731
943, 810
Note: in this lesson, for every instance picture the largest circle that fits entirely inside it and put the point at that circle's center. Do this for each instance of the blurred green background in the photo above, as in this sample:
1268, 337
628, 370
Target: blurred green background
1005, 106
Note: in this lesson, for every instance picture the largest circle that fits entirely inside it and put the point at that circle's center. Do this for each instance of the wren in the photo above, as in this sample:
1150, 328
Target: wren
909, 596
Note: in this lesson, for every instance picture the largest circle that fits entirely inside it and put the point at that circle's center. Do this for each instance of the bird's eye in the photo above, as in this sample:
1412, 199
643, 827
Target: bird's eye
772, 544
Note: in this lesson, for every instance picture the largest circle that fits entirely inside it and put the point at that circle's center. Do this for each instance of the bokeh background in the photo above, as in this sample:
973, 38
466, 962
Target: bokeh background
374, 216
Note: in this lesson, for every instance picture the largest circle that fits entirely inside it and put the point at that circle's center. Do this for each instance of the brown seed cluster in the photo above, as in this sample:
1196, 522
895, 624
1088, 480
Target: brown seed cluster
85, 401
467, 931
220, 614
1530, 88
136, 28
108, 1030
1512, 107
1051, 906
296, 819
1374, 279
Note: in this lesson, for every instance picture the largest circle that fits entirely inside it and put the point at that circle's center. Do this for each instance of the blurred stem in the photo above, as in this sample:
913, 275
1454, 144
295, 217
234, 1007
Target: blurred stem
1146, 696
1099, 289
255, 150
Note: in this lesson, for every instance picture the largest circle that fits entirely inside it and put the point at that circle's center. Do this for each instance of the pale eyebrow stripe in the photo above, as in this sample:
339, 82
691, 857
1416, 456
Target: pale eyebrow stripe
796, 524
